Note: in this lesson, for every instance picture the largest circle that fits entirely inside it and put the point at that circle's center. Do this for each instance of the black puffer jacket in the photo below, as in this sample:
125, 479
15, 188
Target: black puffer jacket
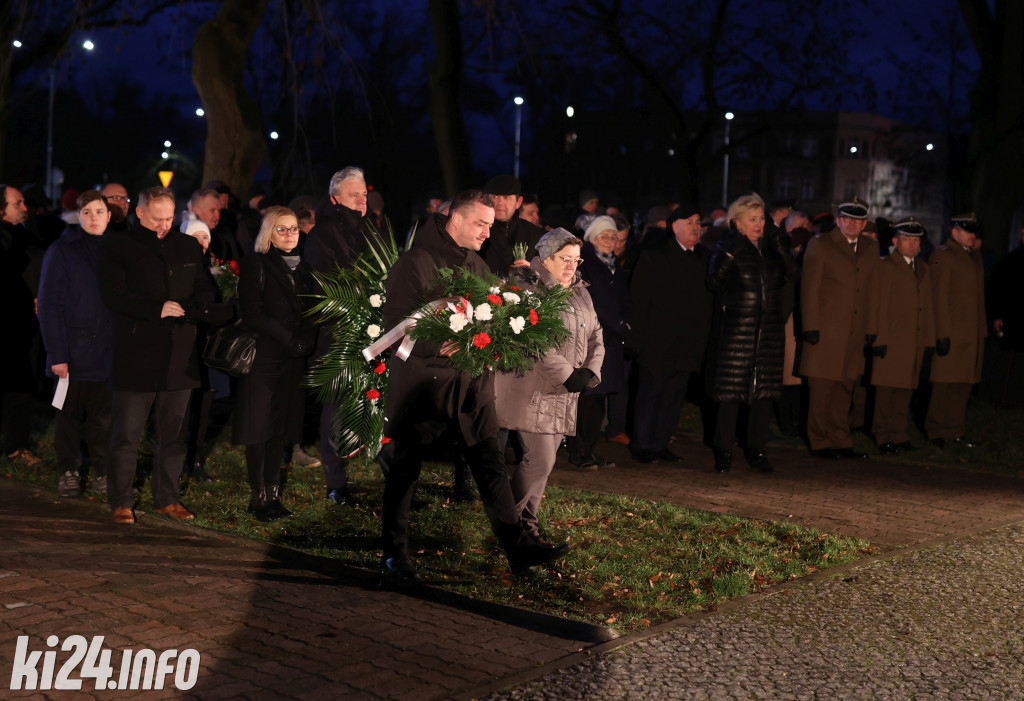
747, 346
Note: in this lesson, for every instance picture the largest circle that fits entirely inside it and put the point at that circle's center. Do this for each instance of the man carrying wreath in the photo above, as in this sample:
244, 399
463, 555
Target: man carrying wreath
427, 396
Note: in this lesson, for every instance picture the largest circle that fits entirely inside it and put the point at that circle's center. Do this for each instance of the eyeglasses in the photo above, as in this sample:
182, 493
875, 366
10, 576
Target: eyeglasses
287, 229
607, 237
570, 261
120, 198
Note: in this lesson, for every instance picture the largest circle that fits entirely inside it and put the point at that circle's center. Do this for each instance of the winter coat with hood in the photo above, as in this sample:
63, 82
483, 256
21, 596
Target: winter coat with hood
747, 346
538, 402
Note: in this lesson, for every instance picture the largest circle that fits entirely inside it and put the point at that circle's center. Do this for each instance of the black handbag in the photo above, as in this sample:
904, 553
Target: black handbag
231, 349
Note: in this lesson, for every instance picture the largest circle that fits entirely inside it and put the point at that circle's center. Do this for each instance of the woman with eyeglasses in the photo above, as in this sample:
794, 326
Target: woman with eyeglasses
541, 404
273, 289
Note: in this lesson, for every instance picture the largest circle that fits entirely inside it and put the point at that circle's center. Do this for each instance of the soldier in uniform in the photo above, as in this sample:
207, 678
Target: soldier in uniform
839, 302
958, 293
906, 326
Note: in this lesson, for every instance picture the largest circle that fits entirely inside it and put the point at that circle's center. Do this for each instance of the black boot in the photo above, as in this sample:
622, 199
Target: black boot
465, 489
758, 461
257, 501
723, 460
524, 551
275, 509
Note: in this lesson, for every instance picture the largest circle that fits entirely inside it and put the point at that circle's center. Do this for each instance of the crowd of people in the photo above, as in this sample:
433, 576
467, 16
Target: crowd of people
752, 312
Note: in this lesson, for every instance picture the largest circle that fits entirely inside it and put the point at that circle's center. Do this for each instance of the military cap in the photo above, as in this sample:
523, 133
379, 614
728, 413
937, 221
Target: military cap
854, 209
968, 222
908, 226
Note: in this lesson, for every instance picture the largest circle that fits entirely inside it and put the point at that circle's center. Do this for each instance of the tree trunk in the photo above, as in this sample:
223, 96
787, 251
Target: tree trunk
997, 112
234, 128
445, 83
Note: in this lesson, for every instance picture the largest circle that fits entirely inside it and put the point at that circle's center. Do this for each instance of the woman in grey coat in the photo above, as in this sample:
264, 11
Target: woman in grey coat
541, 404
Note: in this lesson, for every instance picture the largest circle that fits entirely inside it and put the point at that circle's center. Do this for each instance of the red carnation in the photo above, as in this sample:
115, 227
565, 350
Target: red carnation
494, 299
495, 356
533, 317
373, 394
381, 368
513, 288
234, 265
481, 340
385, 440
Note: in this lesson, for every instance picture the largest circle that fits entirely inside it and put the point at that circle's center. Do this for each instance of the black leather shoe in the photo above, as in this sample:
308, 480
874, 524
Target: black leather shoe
645, 456
964, 442
197, 473
889, 448
758, 461
341, 496
530, 552
275, 509
825, 454
723, 460
399, 571
850, 454
668, 456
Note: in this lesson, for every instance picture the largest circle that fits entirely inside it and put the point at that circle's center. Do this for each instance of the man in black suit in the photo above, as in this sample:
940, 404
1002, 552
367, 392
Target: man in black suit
152, 278
672, 309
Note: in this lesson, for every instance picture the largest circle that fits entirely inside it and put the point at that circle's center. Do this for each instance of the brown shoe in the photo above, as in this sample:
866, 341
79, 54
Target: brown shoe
176, 511
621, 438
26, 457
123, 514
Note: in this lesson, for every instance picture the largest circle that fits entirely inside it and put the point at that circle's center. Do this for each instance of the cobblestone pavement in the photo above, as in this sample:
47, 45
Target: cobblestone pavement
265, 629
943, 622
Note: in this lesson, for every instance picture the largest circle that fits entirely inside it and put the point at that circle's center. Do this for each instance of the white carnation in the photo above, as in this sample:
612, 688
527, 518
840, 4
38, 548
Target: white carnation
511, 297
517, 323
373, 331
495, 290
375, 301
482, 312
457, 322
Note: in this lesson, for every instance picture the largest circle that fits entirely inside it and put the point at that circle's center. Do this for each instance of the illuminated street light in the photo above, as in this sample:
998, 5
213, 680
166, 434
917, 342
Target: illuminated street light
853, 149
88, 45
929, 147
274, 135
16, 44
729, 116
200, 112
569, 111
167, 144
519, 122
164, 155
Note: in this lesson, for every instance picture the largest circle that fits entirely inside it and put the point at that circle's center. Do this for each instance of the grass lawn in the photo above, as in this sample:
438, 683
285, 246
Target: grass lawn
634, 563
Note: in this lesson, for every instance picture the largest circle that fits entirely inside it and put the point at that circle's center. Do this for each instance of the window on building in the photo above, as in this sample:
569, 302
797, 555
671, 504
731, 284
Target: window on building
807, 189
809, 146
784, 188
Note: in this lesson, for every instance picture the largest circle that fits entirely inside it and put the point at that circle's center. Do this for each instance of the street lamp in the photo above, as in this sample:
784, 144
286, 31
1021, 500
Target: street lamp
519, 122
725, 169
200, 111
88, 46
569, 111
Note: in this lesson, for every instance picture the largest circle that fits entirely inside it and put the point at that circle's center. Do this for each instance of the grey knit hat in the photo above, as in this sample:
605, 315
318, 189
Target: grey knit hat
554, 241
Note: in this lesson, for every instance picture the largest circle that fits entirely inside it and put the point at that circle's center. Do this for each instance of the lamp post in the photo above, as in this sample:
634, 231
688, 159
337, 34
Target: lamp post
725, 168
519, 123
88, 46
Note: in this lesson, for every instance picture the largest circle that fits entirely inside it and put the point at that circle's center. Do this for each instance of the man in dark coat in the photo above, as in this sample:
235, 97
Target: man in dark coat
839, 303
509, 228
153, 279
428, 396
672, 309
337, 240
906, 327
21, 255
958, 293
1005, 294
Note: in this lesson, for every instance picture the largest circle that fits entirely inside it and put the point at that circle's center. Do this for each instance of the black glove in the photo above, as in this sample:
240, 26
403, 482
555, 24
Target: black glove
577, 381
879, 351
870, 338
812, 337
942, 347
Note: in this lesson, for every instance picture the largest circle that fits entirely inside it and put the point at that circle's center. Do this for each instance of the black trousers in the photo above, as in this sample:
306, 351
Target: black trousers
131, 409
401, 462
87, 413
660, 398
589, 416
335, 465
759, 415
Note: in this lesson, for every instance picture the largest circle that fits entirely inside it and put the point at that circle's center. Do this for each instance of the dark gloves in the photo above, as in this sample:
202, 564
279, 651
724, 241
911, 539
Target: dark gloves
577, 381
879, 351
870, 338
812, 337
942, 347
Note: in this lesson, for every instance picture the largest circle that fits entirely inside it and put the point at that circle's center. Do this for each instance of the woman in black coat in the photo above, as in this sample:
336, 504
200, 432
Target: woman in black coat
271, 292
747, 272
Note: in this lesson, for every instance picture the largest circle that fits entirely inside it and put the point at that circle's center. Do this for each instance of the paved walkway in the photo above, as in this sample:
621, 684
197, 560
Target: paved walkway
268, 627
